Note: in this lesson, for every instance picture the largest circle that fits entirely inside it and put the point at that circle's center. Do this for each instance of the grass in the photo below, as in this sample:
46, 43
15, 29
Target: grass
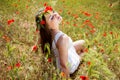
97, 22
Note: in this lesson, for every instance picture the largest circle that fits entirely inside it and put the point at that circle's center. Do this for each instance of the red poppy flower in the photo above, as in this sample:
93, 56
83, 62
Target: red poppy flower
42, 22
62, 74
17, 12
91, 25
99, 44
9, 68
60, 10
85, 50
88, 62
93, 31
67, 22
45, 4
49, 60
10, 21
84, 78
102, 50
48, 8
69, 12
18, 64
97, 15
86, 22
34, 48
76, 16
111, 32
104, 34
37, 30
87, 14
75, 25
6, 38
27, 6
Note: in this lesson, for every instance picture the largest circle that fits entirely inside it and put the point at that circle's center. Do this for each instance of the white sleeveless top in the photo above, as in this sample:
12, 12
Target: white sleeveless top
73, 57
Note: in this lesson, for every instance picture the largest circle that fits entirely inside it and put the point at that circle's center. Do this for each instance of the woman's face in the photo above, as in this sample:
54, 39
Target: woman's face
53, 19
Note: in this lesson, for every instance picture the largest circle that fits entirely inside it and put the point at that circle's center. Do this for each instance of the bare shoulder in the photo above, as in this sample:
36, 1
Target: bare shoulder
62, 40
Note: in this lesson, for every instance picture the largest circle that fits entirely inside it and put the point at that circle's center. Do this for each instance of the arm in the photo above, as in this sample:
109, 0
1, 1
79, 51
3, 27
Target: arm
62, 45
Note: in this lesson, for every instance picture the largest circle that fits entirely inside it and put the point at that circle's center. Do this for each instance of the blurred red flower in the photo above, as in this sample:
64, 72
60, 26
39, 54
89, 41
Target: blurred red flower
42, 22
84, 78
102, 50
88, 62
90, 25
69, 12
75, 16
93, 31
27, 6
111, 32
48, 8
99, 44
6, 38
34, 48
18, 64
62, 74
67, 22
45, 4
97, 15
60, 10
17, 12
86, 22
85, 50
75, 25
49, 60
87, 14
9, 68
10, 21
104, 34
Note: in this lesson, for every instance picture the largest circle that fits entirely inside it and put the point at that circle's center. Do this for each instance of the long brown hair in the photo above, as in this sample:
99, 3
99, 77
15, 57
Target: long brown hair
45, 33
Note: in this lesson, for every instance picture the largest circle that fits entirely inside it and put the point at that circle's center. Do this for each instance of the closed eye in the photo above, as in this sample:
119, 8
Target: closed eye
52, 16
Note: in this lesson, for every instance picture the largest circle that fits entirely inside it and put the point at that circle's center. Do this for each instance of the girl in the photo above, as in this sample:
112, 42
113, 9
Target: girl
66, 51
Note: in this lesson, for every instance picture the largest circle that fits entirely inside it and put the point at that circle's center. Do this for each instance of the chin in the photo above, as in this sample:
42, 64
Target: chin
60, 20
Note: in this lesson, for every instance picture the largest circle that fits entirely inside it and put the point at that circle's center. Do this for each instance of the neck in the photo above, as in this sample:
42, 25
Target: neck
54, 32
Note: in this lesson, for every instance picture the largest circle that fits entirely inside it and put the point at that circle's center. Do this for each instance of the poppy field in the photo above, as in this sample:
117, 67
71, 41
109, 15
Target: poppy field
95, 21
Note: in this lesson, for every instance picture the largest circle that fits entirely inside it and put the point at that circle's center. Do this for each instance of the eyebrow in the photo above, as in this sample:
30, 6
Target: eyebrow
51, 15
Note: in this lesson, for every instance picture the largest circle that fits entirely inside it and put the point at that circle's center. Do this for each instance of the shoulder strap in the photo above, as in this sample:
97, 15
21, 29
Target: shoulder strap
57, 36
